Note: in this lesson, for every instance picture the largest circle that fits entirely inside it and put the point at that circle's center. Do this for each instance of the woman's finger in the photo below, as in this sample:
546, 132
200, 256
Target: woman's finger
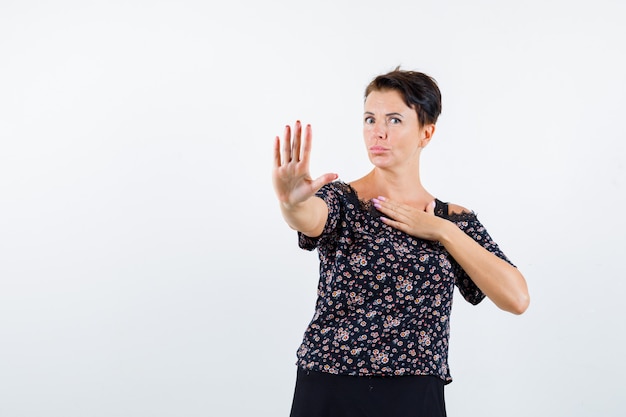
295, 144
276, 152
386, 208
286, 156
306, 146
323, 180
395, 224
390, 206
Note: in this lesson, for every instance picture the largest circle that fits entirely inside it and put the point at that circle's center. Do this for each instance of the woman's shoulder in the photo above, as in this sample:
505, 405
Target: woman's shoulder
457, 209
360, 187
337, 186
337, 191
454, 212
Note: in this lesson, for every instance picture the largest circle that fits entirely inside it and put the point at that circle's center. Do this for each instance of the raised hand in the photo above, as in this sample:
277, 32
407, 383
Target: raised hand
290, 175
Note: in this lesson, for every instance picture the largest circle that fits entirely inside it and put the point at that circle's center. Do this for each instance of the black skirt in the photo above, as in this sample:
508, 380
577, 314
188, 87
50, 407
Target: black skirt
319, 394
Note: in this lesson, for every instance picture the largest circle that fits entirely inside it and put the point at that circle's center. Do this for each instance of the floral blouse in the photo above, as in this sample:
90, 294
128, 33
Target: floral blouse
384, 297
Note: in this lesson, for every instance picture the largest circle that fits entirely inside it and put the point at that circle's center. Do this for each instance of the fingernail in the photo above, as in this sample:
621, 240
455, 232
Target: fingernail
381, 198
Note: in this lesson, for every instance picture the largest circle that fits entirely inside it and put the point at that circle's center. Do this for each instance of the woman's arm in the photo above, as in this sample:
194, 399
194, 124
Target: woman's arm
308, 217
499, 280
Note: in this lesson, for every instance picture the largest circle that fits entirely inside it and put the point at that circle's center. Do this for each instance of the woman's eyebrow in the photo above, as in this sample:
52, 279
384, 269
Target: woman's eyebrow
388, 114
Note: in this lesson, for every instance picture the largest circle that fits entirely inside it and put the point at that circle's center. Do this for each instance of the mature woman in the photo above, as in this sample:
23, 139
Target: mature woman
390, 255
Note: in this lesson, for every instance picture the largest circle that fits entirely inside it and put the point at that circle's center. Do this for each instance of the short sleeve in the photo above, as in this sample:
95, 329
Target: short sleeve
469, 223
332, 196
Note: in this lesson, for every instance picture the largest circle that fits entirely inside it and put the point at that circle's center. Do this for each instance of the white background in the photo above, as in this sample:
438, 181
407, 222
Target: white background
145, 269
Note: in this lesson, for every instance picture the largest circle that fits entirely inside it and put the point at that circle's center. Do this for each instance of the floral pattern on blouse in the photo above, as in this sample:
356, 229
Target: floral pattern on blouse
384, 297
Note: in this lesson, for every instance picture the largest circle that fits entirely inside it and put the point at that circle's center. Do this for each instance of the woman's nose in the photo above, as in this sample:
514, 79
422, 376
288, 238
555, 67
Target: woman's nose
379, 130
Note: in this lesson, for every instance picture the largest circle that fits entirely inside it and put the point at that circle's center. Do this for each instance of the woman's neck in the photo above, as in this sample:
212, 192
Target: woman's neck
403, 187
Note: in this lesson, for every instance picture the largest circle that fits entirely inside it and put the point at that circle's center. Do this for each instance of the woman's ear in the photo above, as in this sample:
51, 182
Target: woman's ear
426, 134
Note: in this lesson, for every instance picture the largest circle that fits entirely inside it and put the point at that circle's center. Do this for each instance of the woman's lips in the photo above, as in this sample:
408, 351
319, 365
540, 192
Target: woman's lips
378, 149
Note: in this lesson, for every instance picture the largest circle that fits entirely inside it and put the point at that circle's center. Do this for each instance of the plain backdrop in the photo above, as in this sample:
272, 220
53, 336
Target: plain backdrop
144, 266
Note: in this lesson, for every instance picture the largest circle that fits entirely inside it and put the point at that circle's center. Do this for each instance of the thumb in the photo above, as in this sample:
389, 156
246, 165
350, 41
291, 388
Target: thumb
430, 208
322, 180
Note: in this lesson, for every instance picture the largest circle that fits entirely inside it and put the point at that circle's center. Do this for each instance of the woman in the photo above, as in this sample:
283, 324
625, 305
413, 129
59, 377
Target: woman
390, 256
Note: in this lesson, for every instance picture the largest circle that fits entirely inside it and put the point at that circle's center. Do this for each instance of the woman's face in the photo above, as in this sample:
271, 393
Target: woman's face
392, 133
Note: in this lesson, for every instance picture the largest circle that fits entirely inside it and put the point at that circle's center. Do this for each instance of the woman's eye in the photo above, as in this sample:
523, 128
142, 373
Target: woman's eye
394, 121
369, 120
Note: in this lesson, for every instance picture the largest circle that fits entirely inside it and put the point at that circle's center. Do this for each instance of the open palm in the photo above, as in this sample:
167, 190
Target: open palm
292, 182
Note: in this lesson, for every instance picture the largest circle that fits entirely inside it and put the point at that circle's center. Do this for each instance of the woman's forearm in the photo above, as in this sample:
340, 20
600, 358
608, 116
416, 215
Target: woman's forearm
499, 280
308, 217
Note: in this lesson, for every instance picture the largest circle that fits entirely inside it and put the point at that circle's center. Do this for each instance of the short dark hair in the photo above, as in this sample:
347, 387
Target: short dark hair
419, 91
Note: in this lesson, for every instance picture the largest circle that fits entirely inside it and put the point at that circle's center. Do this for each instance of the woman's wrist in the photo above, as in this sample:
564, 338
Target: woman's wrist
447, 232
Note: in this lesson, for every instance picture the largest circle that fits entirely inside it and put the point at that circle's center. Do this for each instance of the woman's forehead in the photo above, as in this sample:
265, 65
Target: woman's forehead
385, 100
